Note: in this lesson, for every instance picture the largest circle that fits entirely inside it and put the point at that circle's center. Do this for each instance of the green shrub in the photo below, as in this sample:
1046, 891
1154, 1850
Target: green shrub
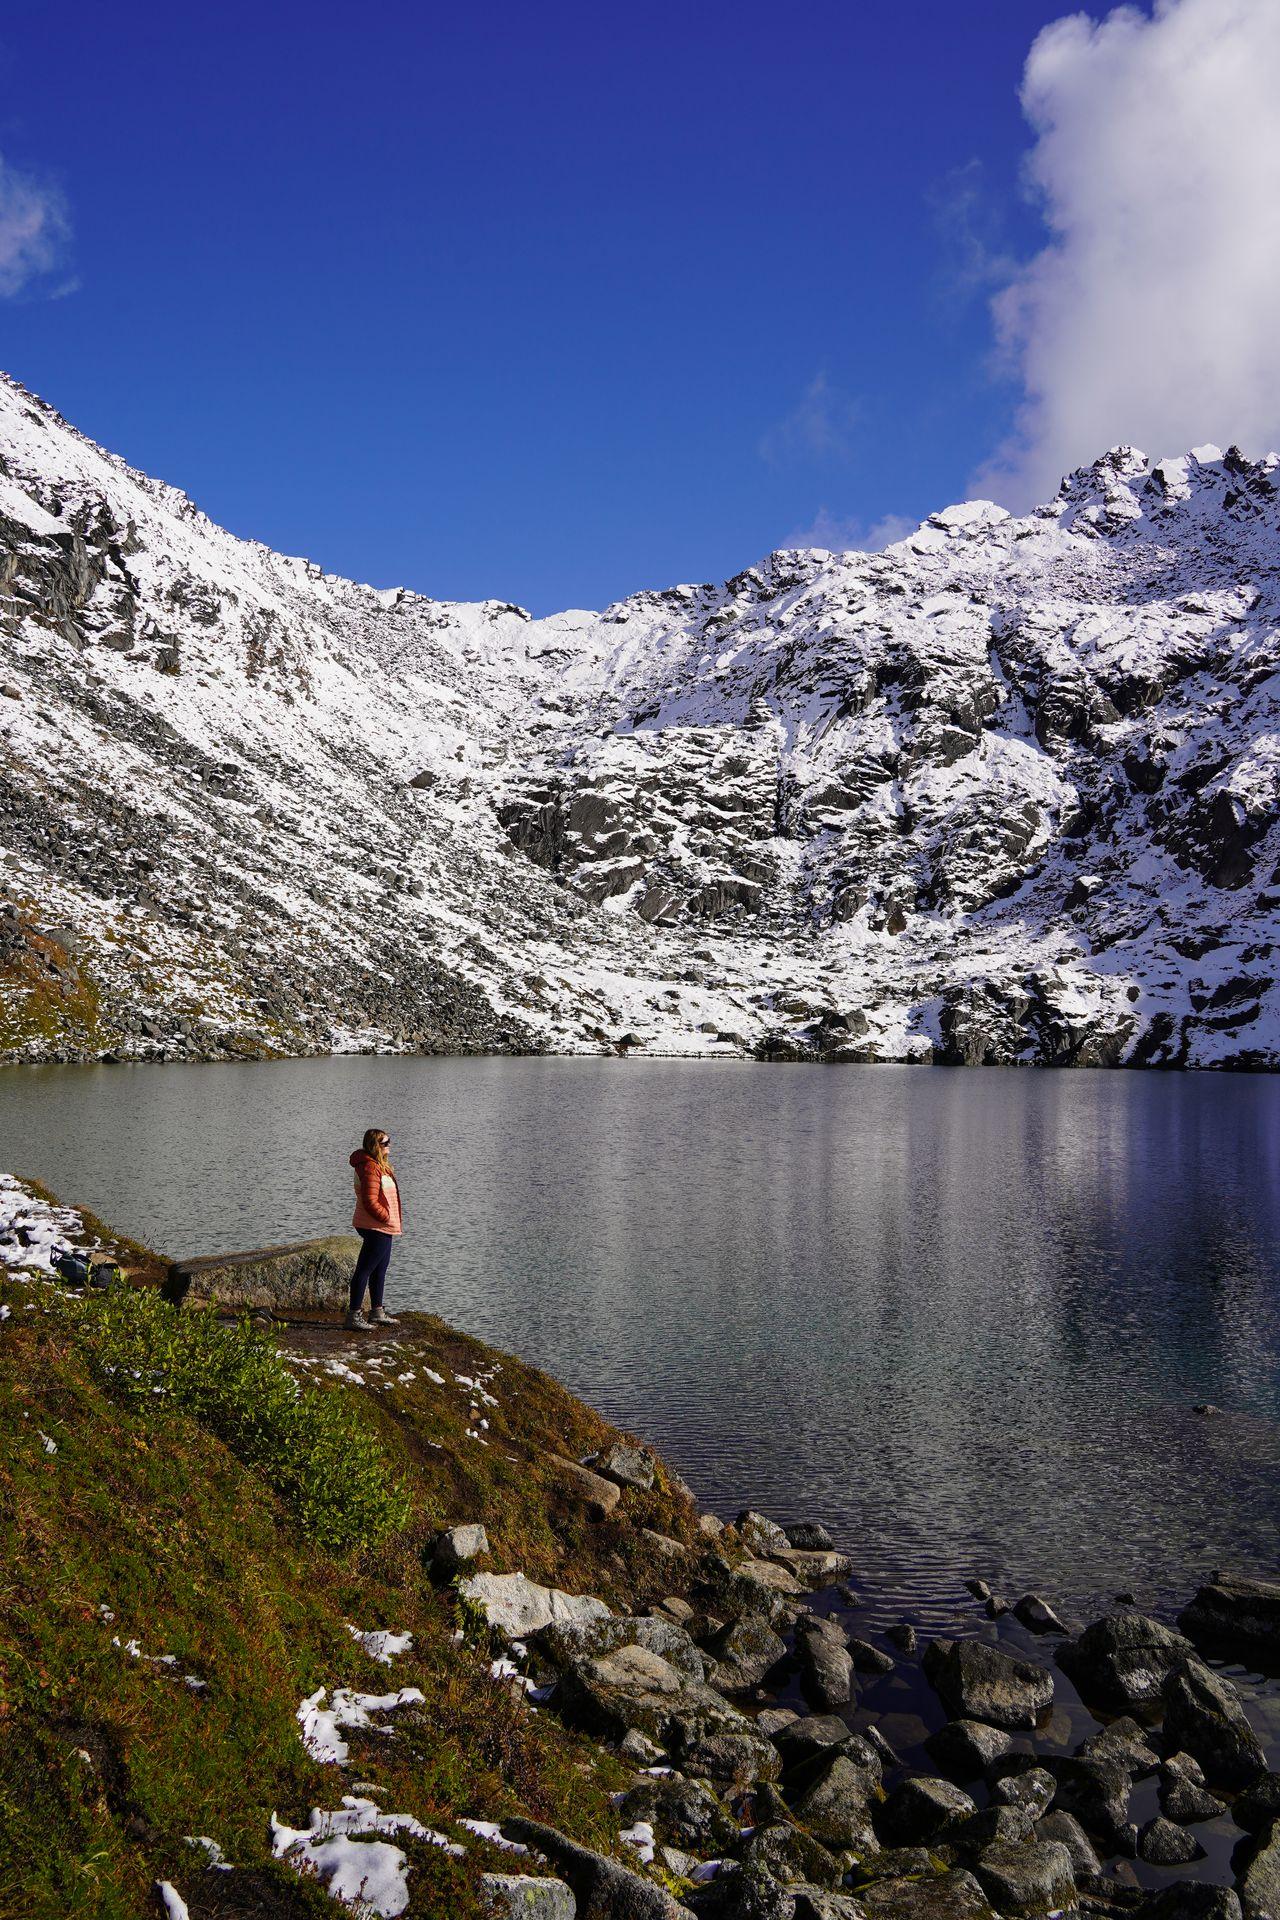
308, 1443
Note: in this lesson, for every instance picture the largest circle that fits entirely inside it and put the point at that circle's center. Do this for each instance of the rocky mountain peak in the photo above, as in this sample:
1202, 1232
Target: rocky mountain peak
1005, 791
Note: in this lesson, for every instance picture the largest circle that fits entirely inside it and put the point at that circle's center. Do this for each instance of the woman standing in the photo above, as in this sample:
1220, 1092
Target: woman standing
377, 1220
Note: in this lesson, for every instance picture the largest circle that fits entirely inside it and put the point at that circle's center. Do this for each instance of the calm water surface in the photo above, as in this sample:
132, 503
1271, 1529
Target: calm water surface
961, 1316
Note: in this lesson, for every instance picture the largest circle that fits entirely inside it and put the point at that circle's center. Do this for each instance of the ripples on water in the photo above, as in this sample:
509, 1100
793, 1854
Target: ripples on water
961, 1316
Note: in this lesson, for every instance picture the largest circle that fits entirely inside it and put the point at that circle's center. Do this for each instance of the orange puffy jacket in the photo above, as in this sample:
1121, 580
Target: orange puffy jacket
377, 1195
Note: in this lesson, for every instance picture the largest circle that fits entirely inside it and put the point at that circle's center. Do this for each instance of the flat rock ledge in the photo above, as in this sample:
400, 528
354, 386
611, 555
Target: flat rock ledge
306, 1276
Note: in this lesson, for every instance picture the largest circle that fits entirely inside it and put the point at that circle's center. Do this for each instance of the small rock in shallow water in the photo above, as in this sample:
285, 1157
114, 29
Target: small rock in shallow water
1036, 1613
869, 1659
966, 1748
1163, 1844
903, 1636
809, 1536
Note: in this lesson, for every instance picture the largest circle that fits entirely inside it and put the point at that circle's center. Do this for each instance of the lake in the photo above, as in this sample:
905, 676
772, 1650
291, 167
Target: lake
963, 1317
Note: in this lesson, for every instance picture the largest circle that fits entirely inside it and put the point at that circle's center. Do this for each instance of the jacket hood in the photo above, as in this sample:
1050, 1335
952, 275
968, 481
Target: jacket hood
358, 1156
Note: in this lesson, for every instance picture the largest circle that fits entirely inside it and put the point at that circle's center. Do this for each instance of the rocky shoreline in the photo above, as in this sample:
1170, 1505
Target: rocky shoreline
774, 1762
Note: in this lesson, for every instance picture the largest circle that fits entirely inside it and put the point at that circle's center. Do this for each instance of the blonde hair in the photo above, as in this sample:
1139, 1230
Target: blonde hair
374, 1144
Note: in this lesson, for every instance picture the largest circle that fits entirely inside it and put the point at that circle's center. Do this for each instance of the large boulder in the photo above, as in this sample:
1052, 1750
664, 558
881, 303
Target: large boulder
1096, 1792
1067, 1831
800, 1739
568, 1643
1258, 1874
1190, 1900
934, 1896
1236, 1616
1259, 1804
966, 1748
1125, 1743
307, 1276
836, 1804
826, 1665
744, 1651
603, 1888
921, 1810
515, 1607
977, 1682
682, 1813
1203, 1715
1122, 1660
1163, 1843
525, 1896
790, 1855
629, 1688
760, 1535
1027, 1878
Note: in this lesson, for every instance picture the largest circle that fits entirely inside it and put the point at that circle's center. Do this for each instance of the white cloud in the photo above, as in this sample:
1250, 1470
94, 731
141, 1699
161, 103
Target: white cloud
1153, 314
818, 427
35, 234
840, 534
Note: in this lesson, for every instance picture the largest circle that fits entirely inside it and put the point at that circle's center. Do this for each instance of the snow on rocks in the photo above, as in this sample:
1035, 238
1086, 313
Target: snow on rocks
32, 1229
369, 1873
840, 805
322, 1725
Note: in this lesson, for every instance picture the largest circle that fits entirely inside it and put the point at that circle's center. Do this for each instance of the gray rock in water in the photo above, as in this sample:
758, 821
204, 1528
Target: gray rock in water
809, 1735
810, 1536
1095, 1791
601, 1887
934, 1896
1122, 1660
903, 1636
836, 1804
524, 1896
1124, 1742
1067, 1831
627, 1465
1203, 1714
1030, 1878
921, 1810
826, 1668
1033, 1791
1036, 1613
976, 1682
1259, 1804
1163, 1843
1181, 1800
965, 1748
1236, 1616
870, 1659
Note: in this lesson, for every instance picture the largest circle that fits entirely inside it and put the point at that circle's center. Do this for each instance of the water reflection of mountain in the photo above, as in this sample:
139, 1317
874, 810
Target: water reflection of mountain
962, 1316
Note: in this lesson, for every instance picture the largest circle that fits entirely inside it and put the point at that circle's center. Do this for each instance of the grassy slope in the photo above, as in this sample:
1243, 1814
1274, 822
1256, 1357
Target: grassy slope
107, 1761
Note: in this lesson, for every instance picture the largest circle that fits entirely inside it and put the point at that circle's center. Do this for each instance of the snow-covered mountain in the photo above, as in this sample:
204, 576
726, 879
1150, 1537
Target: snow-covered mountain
1006, 791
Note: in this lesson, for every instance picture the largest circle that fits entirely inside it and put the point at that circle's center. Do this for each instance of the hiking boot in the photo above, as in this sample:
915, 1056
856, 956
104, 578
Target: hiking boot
381, 1318
356, 1323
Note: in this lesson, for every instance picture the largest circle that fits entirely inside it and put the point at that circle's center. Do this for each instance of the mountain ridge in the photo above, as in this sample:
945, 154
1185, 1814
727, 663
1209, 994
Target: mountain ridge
1004, 792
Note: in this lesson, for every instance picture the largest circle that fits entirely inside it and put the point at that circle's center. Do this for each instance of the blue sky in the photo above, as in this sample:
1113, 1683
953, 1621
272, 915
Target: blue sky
545, 303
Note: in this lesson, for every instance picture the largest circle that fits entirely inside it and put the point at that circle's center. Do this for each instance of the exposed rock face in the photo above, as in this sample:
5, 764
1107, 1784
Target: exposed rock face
1004, 792
1259, 1880
603, 1889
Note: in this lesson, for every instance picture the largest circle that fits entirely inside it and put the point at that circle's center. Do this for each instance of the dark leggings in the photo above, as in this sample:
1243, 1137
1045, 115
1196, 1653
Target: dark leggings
371, 1268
